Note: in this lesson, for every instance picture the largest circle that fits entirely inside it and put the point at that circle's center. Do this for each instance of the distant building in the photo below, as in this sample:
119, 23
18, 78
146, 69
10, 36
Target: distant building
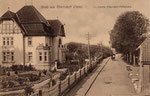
26, 37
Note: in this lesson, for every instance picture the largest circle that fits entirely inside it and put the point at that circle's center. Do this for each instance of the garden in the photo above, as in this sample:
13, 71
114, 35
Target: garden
14, 78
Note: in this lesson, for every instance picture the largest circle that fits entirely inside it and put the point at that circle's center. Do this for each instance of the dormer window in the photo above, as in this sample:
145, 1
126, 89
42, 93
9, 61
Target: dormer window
29, 41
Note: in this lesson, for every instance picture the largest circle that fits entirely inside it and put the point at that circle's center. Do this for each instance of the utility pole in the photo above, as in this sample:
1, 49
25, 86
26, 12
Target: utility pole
88, 38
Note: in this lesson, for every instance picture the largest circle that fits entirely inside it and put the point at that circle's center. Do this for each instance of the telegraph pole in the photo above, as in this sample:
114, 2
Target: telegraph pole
88, 38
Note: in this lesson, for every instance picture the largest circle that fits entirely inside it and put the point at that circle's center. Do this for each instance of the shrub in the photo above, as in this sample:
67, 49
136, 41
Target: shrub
39, 74
33, 78
8, 74
21, 80
16, 72
53, 82
63, 76
28, 90
44, 72
11, 84
22, 67
4, 84
4, 72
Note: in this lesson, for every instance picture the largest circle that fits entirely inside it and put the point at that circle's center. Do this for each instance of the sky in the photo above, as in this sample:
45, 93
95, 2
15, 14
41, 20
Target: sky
82, 16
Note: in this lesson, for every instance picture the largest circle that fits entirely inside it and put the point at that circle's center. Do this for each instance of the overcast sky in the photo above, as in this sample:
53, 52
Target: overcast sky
94, 16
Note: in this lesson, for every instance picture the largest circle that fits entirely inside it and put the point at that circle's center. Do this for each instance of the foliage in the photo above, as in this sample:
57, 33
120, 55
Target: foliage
22, 67
4, 84
11, 84
33, 77
63, 76
128, 31
8, 74
21, 80
73, 46
80, 51
2, 71
53, 82
28, 90
16, 72
44, 72
40, 74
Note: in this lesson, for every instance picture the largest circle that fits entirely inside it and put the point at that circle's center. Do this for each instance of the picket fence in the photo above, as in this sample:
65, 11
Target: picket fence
62, 86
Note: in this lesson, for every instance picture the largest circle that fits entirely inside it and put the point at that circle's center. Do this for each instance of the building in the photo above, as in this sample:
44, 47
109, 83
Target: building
26, 37
143, 51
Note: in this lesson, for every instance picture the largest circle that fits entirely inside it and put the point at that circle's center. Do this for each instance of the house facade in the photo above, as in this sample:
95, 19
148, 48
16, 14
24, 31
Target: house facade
26, 37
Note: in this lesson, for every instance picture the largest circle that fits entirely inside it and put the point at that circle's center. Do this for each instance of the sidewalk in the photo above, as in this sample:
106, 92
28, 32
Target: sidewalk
113, 81
134, 76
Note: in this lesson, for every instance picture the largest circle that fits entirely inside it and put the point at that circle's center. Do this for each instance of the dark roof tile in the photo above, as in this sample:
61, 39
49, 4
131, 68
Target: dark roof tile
7, 15
33, 23
57, 27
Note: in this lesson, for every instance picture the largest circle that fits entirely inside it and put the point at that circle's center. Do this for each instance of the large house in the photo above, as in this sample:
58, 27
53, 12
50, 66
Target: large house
26, 37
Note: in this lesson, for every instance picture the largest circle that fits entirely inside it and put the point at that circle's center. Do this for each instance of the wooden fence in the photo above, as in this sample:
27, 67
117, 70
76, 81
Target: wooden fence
62, 86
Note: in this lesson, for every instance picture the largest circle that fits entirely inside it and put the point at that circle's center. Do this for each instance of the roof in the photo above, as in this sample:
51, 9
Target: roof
7, 15
29, 14
141, 42
33, 23
57, 27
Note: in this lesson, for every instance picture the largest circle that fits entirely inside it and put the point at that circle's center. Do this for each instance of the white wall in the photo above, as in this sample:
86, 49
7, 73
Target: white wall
17, 48
36, 40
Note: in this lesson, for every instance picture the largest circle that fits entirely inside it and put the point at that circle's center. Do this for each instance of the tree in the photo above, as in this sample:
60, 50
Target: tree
128, 31
72, 46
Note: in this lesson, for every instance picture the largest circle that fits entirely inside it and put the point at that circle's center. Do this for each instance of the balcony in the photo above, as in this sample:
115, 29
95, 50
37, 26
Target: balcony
62, 47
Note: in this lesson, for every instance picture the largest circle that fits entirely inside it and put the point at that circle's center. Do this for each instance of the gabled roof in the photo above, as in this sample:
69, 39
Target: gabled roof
142, 41
29, 14
7, 15
57, 27
33, 23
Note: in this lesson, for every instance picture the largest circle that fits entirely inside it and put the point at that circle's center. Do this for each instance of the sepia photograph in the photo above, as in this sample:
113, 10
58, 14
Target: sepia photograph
74, 48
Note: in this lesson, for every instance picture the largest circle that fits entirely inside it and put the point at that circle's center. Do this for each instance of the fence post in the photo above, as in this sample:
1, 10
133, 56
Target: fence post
75, 77
80, 73
59, 86
40, 92
84, 71
69, 80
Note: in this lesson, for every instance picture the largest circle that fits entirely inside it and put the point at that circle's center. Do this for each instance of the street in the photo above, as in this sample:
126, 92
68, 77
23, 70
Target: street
113, 80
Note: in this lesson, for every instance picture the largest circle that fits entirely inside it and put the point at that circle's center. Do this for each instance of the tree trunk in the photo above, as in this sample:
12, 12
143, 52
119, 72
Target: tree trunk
127, 57
130, 58
134, 60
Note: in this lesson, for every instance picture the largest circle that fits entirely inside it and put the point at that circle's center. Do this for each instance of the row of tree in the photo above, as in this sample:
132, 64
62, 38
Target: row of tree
129, 32
80, 51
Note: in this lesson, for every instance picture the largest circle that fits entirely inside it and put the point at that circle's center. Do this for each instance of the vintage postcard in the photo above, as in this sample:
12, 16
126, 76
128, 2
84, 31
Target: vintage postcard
74, 48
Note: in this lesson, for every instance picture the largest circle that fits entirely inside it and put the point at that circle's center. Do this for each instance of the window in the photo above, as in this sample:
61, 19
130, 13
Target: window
7, 27
8, 41
29, 56
8, 56
11, 41
45, 56
40, 56
29, 41
4, 56
12, 56
4, 41
60, 43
